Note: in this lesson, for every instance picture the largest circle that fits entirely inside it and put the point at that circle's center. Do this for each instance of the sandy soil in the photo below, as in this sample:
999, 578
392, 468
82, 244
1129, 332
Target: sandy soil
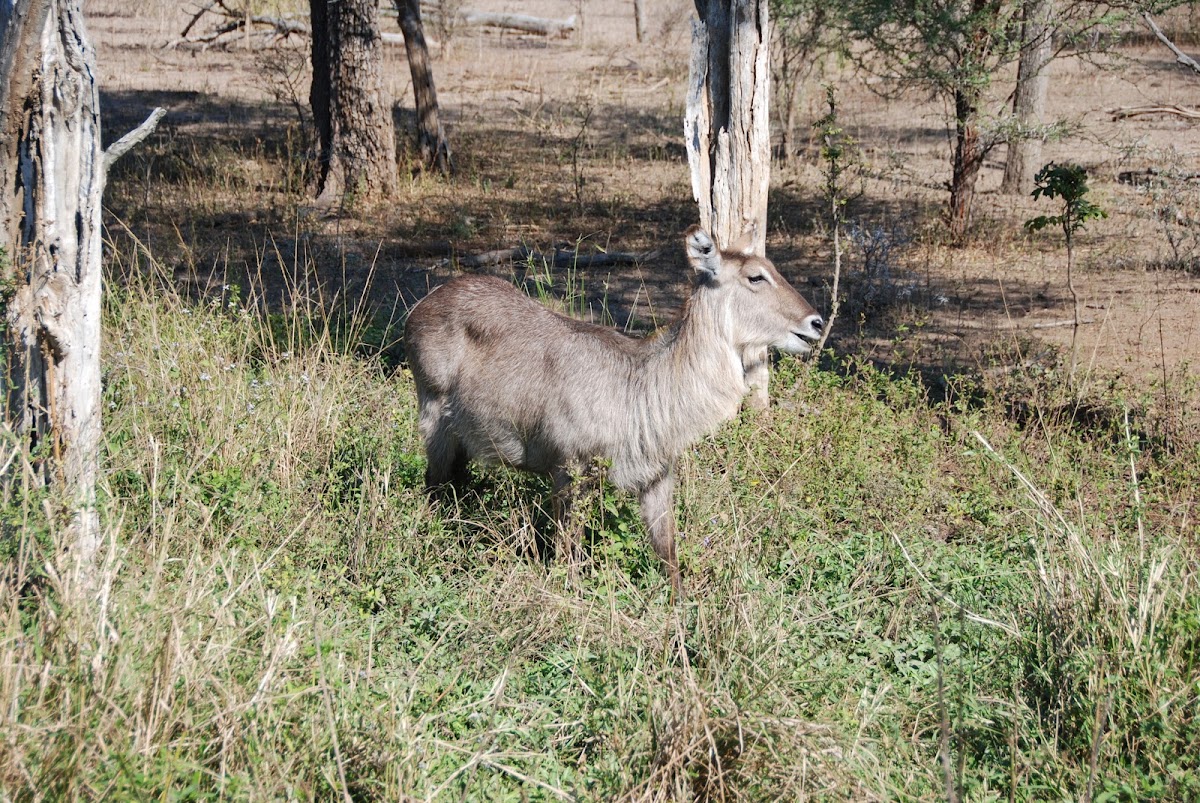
578, 140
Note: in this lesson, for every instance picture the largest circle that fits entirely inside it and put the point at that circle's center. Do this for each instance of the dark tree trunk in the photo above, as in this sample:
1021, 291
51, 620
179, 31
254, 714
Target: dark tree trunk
52, 174
639, 19
357, 141
318, 95
968, 159
1029, 99
431, 138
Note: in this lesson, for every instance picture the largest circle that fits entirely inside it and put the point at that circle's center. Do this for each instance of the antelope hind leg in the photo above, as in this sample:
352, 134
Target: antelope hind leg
445, 458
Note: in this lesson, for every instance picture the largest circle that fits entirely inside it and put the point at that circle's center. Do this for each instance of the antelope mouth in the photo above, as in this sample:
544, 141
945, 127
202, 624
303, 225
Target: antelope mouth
807, 335
799, 344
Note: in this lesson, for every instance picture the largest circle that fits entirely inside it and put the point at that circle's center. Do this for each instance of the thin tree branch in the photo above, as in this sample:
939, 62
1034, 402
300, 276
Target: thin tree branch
1180, 56
204, 9
123, 145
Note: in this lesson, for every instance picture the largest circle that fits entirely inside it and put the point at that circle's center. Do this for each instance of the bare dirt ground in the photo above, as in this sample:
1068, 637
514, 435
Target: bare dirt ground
578, 141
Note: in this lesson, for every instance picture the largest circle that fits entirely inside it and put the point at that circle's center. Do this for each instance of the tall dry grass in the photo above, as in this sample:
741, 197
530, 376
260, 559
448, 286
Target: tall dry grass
882, 603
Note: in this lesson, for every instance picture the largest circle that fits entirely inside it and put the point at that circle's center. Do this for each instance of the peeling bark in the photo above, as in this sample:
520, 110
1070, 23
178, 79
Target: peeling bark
727, 122
727, 132
53, 174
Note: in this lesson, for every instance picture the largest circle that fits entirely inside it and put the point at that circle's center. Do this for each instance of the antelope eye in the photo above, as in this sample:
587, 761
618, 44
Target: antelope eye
757, 278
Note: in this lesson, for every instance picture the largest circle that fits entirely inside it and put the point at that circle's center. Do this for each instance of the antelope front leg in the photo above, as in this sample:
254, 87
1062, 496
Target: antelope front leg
567, 517
657, 502
757, 366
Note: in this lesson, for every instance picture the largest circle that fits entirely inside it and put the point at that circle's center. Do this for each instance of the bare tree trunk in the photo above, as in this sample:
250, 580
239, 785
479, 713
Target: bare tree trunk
968, 159
53, 172
787, 142
1029, 99
431, 138
727, 122
353, 119
53, 177
639, 19
727, 131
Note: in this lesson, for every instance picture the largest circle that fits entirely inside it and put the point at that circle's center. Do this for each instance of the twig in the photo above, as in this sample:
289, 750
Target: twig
968, 613
1098, 727
1180, 56
337, 748
123, 145
1137, 492
944, 727
835, 304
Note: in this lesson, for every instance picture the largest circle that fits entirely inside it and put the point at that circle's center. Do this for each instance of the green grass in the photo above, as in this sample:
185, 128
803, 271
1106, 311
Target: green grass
882, 604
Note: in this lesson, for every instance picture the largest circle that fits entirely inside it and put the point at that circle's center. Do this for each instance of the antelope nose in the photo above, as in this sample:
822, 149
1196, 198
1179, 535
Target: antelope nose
817, 322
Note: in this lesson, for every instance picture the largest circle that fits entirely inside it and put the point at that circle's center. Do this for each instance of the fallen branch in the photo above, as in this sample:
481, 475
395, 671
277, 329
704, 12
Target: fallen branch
1180, 56
1012, 326
204, 9
236, 22
1001, 370
559, 258
543, 26
520, 22
1140, 178
1137, 111
1055, 324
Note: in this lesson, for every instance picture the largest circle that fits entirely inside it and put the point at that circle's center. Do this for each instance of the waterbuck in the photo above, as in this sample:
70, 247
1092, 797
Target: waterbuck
502, 379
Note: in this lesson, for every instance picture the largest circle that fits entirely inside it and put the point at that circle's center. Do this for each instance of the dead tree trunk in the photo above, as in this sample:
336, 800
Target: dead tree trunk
431, 138
727, 131
639, 19
1029, 99
52, 171
356, 136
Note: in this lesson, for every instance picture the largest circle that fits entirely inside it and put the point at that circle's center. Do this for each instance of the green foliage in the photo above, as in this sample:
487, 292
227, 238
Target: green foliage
948, 46
288, 615
839, 156
1067, 183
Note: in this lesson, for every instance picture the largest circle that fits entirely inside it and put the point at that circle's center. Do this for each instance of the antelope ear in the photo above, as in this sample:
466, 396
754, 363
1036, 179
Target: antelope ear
744, 244
702, 253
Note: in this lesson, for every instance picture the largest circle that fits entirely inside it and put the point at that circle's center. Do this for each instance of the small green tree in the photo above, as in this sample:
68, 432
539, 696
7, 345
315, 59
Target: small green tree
1068, 183
952, 48
840, 162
